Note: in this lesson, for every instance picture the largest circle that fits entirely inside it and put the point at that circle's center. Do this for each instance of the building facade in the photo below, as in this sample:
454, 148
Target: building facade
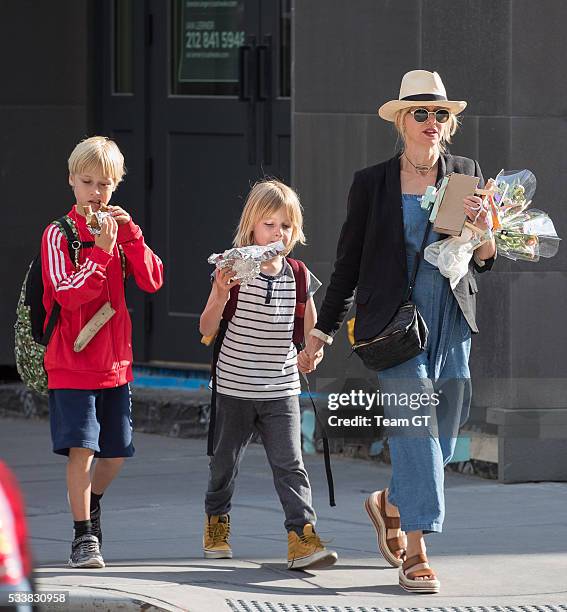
205, 97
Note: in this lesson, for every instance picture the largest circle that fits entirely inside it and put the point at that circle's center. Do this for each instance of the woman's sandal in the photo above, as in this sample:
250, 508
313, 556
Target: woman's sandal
375, 506
408, 575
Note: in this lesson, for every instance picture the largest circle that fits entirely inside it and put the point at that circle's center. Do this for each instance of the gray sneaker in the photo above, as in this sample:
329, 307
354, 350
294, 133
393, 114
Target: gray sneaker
85, 552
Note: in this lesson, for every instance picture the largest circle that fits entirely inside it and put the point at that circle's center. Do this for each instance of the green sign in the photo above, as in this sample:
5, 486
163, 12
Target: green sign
211, 33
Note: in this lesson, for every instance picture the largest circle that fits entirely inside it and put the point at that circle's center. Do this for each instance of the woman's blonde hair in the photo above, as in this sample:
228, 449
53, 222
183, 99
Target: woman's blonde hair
447, 129
97, 154
265, 198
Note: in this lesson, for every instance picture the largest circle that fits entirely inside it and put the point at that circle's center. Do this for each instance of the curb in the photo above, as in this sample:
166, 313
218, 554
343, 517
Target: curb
92, 599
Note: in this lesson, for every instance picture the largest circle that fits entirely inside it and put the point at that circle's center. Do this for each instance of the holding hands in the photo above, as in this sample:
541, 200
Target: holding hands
311, 355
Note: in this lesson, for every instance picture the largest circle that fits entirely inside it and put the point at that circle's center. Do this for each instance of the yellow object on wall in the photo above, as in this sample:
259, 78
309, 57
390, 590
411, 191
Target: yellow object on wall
350, 330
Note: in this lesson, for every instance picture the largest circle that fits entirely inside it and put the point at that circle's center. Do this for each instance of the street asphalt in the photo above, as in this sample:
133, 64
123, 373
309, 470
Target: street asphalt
503, 545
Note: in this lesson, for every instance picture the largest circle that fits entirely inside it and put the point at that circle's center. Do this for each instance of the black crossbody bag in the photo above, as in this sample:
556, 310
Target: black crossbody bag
404, 337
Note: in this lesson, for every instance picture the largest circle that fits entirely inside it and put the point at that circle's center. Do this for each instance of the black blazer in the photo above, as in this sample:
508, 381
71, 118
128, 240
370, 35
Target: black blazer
371, 253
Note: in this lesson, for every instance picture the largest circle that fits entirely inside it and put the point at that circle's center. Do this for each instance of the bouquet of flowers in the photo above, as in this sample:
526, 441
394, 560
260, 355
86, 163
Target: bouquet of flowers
520, 233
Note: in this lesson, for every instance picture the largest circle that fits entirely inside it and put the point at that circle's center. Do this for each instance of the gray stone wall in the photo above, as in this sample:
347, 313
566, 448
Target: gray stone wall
43, 112
504, 59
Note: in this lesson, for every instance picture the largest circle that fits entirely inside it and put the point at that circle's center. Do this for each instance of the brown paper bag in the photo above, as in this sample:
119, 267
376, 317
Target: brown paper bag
451, 216
91, 329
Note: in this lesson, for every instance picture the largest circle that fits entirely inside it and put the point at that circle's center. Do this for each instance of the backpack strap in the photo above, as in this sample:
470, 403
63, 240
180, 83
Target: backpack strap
122, 261
301, 276
69, 229
74, 244
230, 306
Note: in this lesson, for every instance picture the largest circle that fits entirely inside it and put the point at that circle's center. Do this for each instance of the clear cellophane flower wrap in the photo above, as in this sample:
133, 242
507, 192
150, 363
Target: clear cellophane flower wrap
524, 233
246, 261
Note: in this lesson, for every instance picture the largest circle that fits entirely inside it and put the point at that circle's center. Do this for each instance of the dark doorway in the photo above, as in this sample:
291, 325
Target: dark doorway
197, 94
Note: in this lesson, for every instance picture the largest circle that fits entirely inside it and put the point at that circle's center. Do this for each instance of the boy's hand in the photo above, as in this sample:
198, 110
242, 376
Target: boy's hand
224, 282
120, 215
108, 233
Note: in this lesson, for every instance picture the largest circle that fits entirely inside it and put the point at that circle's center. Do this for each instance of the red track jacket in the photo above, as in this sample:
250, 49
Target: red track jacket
107, 360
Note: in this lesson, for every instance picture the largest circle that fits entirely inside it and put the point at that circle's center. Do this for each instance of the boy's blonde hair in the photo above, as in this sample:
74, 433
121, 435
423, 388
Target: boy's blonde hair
447, 129
97, 154
264, 199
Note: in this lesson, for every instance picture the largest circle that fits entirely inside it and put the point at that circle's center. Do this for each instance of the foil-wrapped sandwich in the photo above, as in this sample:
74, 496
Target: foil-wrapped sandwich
94, 219
245, 261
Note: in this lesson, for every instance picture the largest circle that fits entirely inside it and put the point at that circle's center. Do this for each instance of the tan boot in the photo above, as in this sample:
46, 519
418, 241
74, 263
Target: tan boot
215, 537
307, 550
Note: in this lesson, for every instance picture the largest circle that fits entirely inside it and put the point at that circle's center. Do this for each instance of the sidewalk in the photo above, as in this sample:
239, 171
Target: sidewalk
503, 545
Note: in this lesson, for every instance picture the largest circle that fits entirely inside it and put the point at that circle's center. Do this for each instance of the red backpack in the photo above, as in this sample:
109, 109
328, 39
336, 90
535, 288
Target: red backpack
301, 282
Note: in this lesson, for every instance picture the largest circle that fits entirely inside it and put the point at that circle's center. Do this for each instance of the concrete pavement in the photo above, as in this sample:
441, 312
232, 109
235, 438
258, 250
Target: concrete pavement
503, 545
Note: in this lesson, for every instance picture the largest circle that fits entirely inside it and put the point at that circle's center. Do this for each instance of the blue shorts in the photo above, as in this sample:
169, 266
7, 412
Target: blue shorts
99, 419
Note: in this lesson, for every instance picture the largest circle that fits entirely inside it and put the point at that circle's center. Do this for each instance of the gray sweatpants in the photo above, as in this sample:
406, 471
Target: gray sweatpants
279, 424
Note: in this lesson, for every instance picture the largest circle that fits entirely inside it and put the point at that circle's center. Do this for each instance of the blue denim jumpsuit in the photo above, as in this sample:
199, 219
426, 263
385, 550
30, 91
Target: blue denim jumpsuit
420, 452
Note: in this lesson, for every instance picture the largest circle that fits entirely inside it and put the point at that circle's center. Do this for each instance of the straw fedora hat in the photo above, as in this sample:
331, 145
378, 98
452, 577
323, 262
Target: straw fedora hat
420, 87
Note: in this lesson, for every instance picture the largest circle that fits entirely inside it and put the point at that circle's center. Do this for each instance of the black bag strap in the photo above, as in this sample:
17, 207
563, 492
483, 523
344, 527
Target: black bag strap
326, 451
417, 260
74, 245
55, 311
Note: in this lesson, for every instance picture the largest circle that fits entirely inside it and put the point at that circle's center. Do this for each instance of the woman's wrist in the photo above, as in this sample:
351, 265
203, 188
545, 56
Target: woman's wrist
322, 337
486, 251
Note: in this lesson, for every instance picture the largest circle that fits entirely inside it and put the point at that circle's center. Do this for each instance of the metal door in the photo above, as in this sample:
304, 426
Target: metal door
119, 50
196, 93
218, 124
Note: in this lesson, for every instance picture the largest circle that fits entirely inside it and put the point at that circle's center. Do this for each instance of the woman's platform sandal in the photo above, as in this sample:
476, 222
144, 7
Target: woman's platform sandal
376, 507
408, 575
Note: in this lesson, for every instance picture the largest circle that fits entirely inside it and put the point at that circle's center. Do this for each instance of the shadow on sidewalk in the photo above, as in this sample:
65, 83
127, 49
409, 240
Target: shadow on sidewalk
226, 577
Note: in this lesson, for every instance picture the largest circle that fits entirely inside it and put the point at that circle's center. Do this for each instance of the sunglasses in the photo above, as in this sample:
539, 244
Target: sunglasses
421, 115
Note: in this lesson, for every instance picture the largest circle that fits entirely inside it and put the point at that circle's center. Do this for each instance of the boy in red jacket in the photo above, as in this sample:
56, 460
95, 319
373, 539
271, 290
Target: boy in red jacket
89, 395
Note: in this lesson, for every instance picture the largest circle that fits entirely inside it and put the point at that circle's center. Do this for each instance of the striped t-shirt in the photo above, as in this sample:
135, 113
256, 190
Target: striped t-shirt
258, 359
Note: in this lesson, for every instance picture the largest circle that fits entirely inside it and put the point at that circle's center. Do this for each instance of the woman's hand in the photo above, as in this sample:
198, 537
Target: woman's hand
311, 355
224, 282
478, 210
478, 213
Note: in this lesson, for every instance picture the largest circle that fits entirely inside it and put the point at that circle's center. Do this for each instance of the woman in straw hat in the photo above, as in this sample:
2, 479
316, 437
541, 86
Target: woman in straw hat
384, 229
